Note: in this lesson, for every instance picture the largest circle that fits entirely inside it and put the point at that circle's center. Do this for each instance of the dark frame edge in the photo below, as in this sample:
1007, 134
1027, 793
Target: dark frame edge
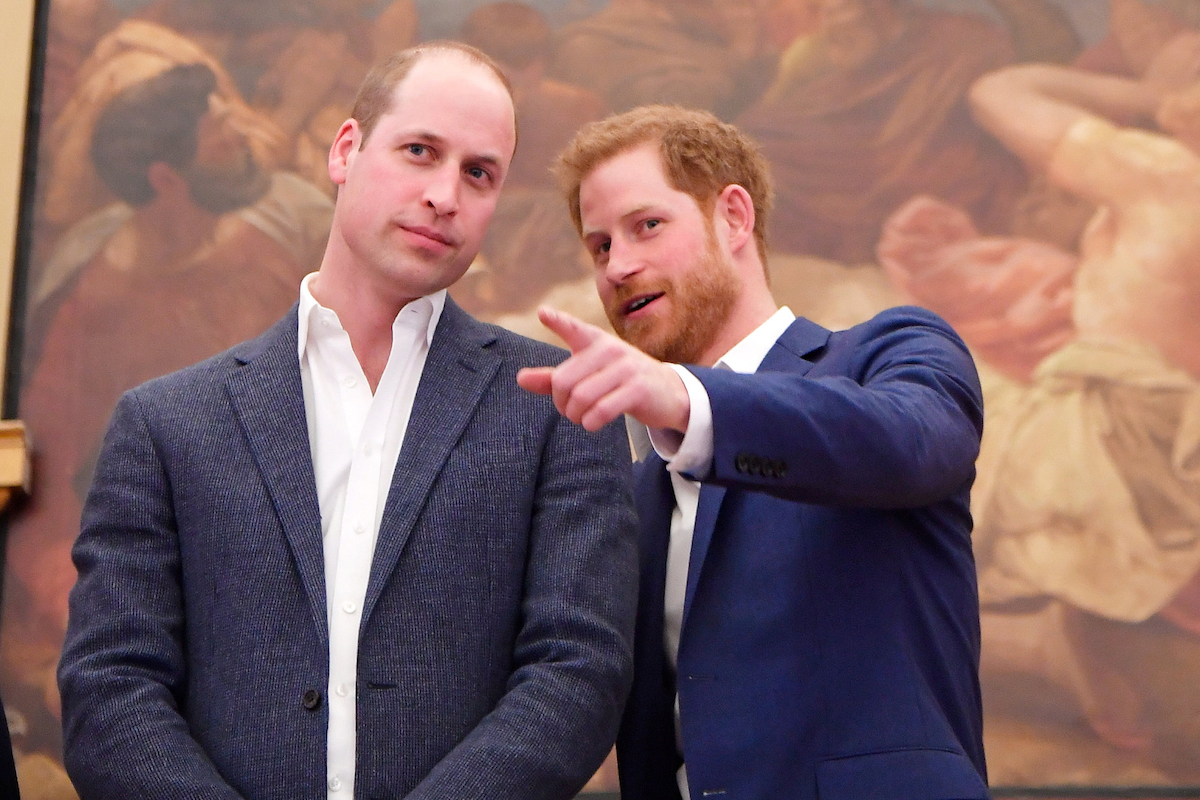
23, 247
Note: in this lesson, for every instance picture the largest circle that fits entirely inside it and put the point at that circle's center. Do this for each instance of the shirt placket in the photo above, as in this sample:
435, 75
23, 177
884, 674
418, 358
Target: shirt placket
355, 551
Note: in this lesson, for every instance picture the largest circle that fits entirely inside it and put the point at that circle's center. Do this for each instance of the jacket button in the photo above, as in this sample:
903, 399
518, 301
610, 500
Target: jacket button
311, 700
741, 462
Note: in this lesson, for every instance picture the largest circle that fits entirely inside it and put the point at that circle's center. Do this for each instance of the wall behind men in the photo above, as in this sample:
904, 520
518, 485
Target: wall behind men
857, 127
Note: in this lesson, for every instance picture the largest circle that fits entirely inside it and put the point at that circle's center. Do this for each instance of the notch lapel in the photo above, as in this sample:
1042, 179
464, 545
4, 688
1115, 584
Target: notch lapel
268, 397
789, 354
458, 370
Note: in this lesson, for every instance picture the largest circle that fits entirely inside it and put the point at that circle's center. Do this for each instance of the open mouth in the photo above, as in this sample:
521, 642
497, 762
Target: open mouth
638, 303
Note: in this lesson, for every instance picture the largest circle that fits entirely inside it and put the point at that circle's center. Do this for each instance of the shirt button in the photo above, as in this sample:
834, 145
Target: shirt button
334, 784
350, 383
349, 608
360, 528
367, 450
341, 690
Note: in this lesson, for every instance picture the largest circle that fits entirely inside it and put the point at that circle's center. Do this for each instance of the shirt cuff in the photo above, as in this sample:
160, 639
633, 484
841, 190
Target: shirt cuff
688, 453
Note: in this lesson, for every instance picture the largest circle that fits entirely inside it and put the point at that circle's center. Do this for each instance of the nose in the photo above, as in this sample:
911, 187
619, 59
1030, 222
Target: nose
621, 265
441, 193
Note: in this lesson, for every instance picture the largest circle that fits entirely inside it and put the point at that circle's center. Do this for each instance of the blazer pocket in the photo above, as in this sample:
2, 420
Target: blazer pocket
901, 775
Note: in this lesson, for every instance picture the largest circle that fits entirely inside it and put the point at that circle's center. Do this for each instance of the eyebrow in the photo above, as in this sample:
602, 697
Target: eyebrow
642, 209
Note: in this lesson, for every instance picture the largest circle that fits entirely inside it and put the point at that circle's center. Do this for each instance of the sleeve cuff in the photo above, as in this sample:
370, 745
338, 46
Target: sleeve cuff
688, 453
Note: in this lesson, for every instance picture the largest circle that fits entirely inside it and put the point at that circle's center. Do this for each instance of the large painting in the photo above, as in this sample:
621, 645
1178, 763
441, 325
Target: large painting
1051, 212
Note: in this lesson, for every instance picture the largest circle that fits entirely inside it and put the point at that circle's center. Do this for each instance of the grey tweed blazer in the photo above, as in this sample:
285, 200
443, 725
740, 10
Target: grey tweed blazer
494, 649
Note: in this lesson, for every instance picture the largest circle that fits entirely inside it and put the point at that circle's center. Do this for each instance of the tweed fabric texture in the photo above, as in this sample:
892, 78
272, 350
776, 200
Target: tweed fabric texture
495, 643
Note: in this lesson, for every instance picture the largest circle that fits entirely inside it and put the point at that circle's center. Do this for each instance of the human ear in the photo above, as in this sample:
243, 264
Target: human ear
735, 209
166, 181
345, 144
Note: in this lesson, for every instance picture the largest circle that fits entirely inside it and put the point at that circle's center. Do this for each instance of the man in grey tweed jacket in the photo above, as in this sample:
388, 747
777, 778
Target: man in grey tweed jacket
488, 645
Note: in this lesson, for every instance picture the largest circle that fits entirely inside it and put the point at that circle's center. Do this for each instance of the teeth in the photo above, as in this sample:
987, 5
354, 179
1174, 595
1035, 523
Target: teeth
640, 303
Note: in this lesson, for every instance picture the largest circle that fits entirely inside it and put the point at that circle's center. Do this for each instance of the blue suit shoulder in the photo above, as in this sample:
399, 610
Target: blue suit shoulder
904, 321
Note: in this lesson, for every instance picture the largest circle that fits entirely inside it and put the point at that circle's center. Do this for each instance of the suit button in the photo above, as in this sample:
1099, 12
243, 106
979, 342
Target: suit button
780, 469
741, 463
311, 700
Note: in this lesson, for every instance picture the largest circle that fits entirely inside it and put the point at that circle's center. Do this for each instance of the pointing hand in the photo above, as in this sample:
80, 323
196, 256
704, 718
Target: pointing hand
606, 377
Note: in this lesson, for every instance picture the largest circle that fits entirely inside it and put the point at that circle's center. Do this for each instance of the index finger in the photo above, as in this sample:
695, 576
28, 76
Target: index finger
575, 332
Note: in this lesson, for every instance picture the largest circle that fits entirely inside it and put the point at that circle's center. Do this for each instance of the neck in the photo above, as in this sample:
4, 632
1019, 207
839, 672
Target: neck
366, 310
753, 308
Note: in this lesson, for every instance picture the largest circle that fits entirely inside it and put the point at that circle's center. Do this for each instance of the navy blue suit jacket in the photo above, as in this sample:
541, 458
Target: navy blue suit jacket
495, 637
830, 639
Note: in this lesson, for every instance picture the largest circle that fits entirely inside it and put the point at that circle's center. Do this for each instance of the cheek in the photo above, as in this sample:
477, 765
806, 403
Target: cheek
603, 288
475, 224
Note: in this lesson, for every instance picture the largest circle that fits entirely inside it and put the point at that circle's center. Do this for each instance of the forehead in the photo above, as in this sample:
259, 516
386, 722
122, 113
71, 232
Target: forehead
628, 182
452, 97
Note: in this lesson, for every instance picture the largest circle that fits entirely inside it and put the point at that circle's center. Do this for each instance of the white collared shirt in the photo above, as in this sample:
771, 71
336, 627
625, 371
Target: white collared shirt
692, 454
355, 437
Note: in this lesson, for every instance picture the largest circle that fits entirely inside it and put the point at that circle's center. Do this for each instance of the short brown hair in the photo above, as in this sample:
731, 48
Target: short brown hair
375, 94
701, 155
515, 34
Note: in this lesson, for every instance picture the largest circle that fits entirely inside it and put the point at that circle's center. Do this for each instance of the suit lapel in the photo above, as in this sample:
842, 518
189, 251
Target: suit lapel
707, 511
459, 368
268, 397
655, 501
791, 354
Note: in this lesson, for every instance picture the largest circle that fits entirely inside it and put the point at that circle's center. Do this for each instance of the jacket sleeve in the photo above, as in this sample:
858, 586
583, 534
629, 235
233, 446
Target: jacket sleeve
889, 416
572, 663
122, 672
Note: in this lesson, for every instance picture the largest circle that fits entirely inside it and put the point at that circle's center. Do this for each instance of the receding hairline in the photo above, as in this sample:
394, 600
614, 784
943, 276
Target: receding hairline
410, 59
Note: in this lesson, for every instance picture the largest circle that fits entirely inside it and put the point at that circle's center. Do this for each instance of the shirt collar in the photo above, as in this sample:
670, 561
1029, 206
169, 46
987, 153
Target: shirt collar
310, 311
746, 355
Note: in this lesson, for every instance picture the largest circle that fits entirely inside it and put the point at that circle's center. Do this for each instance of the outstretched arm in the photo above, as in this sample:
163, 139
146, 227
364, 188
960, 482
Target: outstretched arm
889, 415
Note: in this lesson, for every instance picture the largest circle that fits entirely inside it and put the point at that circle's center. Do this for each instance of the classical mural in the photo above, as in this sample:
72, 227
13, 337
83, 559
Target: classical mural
1030, 169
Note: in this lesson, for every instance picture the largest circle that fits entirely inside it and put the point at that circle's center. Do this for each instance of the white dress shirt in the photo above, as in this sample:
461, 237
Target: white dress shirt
355, 438
692, 454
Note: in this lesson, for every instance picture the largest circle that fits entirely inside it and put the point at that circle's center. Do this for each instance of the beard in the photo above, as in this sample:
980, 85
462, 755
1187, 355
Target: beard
221, 188
702, 298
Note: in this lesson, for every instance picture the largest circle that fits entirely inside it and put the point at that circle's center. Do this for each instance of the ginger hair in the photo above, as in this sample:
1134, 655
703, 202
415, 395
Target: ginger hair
701, 155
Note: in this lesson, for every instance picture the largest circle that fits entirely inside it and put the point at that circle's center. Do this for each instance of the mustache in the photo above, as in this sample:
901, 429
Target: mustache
629, 290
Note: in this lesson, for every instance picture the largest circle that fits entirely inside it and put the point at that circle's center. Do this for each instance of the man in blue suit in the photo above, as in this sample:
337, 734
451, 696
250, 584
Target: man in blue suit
808, 621
351, 558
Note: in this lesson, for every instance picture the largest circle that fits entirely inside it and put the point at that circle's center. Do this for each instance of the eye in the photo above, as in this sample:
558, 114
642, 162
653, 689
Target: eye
479, 173
605, 246
418, 150
652, 223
